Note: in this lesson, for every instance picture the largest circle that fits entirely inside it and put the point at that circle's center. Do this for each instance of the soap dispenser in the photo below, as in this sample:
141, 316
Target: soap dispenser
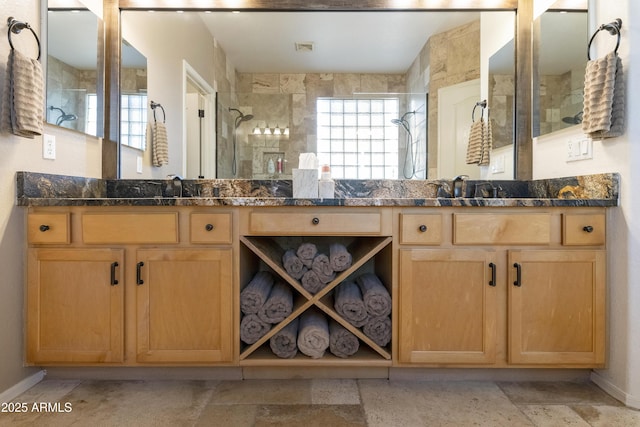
326, 186
271, 167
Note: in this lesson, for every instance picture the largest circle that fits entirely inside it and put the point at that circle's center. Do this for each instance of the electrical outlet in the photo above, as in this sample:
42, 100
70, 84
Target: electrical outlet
49, 147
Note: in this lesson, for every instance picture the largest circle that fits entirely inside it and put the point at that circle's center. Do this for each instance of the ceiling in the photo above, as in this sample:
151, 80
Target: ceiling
365, 42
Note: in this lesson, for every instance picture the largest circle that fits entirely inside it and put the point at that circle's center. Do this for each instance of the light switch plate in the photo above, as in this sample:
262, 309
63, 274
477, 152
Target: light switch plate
48, 147
139, 164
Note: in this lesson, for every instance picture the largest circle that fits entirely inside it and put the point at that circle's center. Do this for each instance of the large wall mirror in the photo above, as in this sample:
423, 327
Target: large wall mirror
363, 90
561, 37
74, 68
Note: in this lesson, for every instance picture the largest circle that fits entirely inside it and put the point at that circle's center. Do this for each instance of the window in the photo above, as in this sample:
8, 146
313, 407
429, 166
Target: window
357, 139
92, 114
133, 120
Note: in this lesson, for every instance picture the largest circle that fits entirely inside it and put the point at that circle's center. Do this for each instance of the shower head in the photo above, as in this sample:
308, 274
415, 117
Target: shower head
402, 121
66, 118
573, 120
242, 117
404, 116
63, 117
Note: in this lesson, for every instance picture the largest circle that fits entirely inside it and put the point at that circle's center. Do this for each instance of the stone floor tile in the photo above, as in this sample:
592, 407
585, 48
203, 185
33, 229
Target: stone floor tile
310, 416
49, 391
609, 416
553, 416
45, 392
133, 403
556, 393
227, 415
262, 392
407, 403
335, 392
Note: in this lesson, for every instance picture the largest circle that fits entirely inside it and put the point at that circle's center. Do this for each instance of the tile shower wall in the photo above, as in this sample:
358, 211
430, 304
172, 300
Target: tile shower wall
61, 77
447, 58
561, 96
287, 101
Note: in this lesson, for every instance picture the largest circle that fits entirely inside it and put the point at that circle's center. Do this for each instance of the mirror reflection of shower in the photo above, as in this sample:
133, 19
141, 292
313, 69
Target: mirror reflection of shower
64, 117
238, 121
409, 167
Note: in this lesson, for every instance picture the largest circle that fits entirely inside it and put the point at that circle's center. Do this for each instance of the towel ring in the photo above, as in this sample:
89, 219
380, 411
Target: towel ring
153, 107
482, 104
16, 27
613, 28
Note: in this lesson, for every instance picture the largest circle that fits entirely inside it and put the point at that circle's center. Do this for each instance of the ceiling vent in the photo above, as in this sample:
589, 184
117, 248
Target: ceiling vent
304, 46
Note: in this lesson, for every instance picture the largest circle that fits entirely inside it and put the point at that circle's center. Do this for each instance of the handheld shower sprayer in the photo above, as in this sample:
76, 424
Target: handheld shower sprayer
409, 169
64, 117
241, 118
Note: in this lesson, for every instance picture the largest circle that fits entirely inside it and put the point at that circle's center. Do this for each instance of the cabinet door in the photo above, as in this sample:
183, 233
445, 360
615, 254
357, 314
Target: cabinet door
557, 307
184, 305
75, 306
447, 307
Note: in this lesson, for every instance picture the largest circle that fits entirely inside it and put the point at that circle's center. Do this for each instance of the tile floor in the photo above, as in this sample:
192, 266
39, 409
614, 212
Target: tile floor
318, 402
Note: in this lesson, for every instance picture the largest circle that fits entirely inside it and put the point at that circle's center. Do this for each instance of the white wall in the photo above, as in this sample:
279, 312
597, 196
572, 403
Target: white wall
496, 30
621, 378
166, 42
76, 155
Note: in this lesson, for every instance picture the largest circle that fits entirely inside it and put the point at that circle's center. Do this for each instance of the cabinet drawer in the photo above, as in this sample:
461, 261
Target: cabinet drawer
210, 228
502, 229
48, 228
420, 229
130, 228
583, 229
279, 223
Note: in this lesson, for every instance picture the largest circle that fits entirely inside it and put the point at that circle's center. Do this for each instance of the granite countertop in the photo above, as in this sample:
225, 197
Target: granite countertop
36, 189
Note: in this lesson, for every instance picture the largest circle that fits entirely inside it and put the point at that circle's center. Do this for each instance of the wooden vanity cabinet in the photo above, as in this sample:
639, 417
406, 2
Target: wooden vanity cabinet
184, 305
471, 287
557, 307
489, 294
75, 306
448, 306
130, 286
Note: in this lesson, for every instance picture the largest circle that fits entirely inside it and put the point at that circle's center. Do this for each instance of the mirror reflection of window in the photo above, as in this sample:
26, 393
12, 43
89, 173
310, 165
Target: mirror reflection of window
133, 97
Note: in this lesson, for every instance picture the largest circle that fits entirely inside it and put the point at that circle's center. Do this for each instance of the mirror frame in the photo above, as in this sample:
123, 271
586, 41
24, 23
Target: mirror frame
112, 36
